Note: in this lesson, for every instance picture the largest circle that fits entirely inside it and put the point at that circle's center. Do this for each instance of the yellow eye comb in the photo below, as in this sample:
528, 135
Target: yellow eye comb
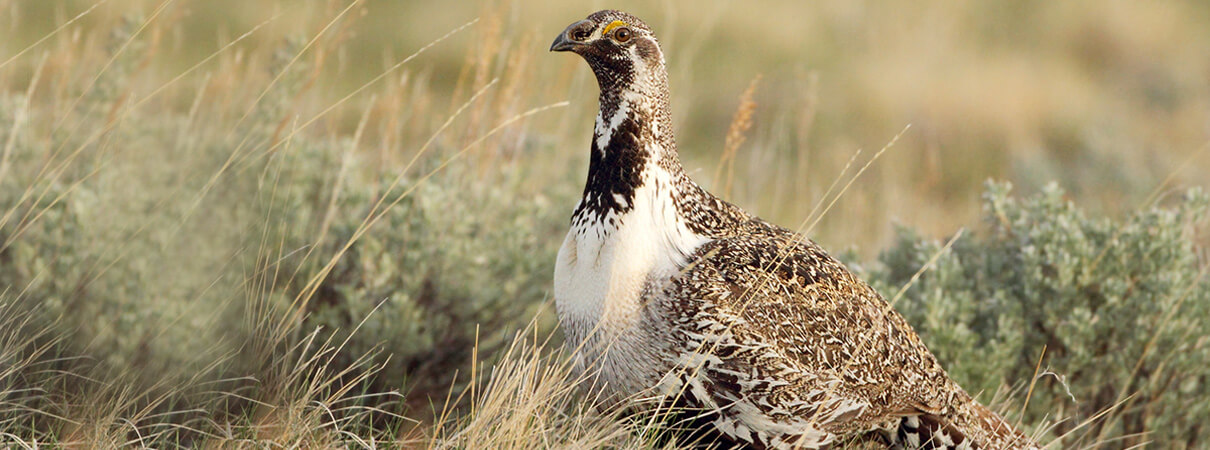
611, 26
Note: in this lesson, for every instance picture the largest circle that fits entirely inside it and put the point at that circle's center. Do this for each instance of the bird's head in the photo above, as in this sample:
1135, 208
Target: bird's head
620, 48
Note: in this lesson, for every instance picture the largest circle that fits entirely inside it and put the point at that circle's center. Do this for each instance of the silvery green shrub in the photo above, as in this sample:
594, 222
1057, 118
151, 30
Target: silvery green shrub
1121, 307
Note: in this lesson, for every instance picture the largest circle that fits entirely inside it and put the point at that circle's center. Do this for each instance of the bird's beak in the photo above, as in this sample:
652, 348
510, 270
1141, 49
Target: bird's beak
565, 42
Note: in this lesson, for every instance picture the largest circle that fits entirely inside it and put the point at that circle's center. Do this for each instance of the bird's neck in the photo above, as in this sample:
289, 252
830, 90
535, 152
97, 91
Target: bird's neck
632, 144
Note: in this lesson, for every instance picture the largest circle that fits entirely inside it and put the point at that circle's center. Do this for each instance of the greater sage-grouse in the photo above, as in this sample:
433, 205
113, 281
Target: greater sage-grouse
663, 288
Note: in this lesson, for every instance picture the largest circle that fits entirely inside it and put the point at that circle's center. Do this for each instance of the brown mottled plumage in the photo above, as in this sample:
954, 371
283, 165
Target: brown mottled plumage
664, 289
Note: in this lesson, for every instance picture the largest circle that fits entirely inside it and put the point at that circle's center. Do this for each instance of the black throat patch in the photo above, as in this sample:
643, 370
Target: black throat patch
615, 172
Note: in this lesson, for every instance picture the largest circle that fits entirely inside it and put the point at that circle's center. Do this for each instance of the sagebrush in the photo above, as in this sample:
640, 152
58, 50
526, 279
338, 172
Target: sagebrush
187, 256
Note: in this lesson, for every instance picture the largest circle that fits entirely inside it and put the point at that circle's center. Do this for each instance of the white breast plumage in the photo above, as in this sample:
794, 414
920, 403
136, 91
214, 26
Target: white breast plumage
604, 268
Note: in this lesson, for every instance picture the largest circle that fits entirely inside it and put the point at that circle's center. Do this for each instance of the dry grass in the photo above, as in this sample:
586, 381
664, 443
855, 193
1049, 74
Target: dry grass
736, 135
162, 266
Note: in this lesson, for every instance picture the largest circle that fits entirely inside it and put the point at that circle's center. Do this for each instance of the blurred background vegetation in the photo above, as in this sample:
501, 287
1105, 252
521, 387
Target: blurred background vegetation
298, 222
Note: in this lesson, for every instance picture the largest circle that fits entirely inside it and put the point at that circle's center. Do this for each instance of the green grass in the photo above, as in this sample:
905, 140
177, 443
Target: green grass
252, 224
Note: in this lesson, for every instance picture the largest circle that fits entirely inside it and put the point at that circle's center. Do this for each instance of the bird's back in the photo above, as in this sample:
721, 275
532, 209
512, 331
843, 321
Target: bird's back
793, 348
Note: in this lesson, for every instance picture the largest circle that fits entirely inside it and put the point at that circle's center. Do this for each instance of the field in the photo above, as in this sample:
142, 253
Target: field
333, 223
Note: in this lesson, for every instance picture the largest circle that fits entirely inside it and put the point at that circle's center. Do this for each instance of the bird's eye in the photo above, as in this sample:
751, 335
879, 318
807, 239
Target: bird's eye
621, 34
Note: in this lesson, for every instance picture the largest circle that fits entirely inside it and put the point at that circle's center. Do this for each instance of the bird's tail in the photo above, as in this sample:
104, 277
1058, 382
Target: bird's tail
971, 426
929, 432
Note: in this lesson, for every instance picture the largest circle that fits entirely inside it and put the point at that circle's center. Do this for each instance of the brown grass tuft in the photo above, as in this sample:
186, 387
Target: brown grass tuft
741, 122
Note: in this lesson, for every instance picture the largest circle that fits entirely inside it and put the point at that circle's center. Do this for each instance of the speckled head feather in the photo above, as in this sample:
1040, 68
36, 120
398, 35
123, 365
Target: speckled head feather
619, 48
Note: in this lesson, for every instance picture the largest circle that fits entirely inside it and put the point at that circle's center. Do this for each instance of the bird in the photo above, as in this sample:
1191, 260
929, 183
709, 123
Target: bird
664, 290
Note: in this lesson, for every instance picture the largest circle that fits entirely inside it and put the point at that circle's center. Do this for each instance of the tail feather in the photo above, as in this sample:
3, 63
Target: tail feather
967, 428
929, 432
